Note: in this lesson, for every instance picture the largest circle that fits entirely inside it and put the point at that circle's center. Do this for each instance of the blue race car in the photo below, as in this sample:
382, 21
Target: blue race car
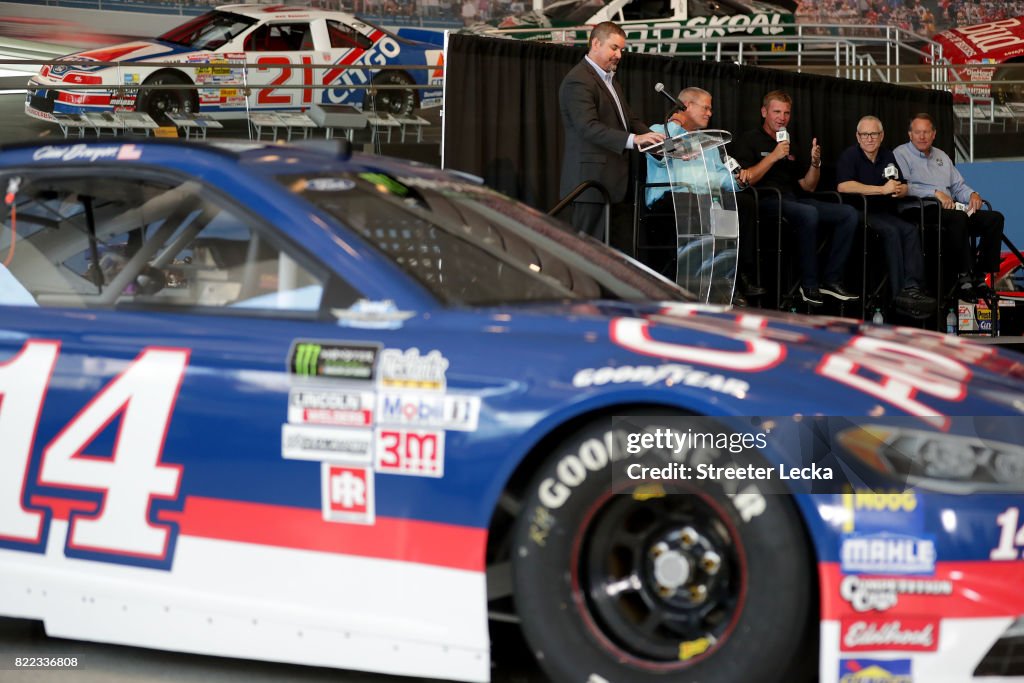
243, 58
295, 405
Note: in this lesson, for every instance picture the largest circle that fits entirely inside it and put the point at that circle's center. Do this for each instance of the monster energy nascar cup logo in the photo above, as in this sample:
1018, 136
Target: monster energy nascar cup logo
344, 361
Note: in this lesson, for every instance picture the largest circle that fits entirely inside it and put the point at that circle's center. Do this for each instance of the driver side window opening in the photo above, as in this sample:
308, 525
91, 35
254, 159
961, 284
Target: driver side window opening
346, 37
101, 242
280, 38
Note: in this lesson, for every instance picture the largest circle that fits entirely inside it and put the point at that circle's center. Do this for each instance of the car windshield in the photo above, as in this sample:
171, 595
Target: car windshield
209, 31
471, 246
574, 11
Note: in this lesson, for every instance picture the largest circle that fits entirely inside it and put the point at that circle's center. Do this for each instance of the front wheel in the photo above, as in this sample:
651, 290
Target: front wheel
158, 103
698, 582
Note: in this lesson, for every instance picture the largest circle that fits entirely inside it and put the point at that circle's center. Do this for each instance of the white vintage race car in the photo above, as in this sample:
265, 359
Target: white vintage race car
245, 57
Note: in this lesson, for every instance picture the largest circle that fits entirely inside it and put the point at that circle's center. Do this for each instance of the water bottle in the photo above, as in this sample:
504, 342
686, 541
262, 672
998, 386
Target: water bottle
951, 322
877, 317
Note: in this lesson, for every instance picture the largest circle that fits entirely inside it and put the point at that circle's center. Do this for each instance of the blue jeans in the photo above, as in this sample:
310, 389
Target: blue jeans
806, 216
902, 244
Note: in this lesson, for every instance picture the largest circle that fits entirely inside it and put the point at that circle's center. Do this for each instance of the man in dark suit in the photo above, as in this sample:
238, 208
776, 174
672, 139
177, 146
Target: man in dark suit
600, 130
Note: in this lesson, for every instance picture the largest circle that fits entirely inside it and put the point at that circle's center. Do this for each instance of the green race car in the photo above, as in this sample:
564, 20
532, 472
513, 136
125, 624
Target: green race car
658, 26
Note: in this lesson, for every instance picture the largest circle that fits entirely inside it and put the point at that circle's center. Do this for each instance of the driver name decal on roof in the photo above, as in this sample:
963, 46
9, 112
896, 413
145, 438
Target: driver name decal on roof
87, 153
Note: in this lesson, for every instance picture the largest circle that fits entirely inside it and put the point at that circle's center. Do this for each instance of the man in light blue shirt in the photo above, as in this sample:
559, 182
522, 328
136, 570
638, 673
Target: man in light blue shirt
931, 174
697, 116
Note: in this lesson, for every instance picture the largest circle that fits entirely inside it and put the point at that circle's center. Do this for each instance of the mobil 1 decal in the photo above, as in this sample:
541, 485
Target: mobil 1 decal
333, 360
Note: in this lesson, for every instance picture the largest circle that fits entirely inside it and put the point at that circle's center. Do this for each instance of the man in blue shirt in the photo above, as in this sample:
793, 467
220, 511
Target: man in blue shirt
931, 174
869, 169
697, 116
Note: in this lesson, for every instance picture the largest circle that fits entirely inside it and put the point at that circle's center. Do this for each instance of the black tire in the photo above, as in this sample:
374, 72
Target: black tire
159, 103
601, 580
393, 101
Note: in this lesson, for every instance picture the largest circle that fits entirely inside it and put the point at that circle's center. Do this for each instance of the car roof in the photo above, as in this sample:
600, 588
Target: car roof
264, 12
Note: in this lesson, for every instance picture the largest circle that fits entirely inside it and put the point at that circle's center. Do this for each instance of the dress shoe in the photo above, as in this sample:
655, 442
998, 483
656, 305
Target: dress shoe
748, 287
912, 297
811, 296
837, 291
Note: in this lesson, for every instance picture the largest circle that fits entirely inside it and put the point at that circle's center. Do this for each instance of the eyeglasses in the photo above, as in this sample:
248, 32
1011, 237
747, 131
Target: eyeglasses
872, 135
705, 107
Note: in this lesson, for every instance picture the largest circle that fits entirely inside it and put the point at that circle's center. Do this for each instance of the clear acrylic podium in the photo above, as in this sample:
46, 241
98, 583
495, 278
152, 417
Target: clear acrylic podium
704, 210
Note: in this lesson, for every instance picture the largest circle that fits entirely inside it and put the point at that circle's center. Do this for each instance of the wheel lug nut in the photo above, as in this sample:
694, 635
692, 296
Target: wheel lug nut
658, 549
711, 562
698, 593
689, 537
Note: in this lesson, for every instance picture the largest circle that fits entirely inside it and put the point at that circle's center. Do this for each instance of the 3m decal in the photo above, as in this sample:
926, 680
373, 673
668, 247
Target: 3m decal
330, 359
919, 634
338, 408
411, 452
115, 521
429, 410
875, 671
348, 494
316, 442
409, 370
887, 554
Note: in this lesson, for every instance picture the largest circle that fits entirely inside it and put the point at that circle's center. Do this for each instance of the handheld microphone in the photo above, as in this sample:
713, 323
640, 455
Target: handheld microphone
782, 135
733, 167
660, 87
891, 172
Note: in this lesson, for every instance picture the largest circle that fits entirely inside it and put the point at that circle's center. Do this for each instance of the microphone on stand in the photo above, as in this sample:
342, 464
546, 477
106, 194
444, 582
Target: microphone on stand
660, 87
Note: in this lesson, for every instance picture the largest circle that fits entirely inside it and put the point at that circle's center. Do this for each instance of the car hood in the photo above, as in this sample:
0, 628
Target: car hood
995, 41
853, 364
132, 51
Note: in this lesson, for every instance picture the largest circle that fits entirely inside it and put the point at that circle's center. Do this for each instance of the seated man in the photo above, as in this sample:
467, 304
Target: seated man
931, 174
765, 155
697, 116
869, 169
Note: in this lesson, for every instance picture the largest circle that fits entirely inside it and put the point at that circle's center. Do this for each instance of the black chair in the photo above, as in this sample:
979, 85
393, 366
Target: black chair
655, 241
786, 298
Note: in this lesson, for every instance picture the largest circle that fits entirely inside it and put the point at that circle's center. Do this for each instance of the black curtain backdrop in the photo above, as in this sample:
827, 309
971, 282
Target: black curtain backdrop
502, 120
